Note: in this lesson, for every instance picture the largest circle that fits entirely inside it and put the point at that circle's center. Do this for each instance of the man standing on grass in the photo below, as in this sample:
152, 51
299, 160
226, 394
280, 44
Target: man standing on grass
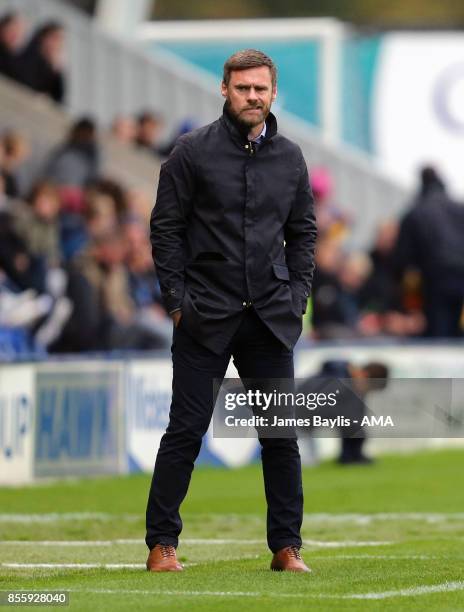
233, 234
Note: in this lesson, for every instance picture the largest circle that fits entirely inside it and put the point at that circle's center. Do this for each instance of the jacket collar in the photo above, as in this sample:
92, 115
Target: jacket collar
238, 131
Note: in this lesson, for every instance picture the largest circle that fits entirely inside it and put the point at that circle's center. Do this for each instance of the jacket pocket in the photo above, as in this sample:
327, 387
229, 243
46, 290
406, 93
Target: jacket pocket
209, 256
281, 271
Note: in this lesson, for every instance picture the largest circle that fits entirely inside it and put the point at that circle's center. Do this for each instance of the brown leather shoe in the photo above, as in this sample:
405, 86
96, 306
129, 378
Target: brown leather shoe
288, 559
162, 558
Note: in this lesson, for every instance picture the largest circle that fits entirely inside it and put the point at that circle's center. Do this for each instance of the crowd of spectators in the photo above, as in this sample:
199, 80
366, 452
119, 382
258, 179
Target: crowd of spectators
76, 272
35, 60
409, 284
145, 132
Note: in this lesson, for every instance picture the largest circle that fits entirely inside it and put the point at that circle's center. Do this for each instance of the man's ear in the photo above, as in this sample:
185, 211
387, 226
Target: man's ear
224, 89
274, 93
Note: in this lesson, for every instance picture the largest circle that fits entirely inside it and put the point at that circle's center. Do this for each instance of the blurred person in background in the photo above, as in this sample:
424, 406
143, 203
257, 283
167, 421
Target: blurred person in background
381, 291
431, 184
15, 153
143, 283
20, 266
338, 281
12, 33
149, 128
41, 63
103, 316
431, 241
32, 294
124, 129
327, 314
382, 301
100, 215
90, 212
331, 221
100, 207
37, 222
358, 294
9, 186
352, 383
139, 204
76, 163
354, 271
73, 167
115, 191
185, 127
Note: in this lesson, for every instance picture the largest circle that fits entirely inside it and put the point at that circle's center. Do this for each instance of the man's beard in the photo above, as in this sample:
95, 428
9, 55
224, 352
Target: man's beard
243, 121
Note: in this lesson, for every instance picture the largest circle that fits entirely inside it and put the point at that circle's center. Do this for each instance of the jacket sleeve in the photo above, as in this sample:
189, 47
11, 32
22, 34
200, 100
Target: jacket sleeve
300, 238
168, 222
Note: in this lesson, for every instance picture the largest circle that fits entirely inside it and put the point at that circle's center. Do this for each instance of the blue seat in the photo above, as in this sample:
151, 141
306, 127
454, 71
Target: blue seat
13, 343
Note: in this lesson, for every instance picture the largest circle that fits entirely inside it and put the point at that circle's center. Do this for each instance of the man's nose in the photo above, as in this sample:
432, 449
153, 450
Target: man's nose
252, 94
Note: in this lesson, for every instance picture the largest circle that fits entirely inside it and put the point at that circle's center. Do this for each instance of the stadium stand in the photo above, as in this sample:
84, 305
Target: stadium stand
109, 76
76, 274
31, 313
360, 290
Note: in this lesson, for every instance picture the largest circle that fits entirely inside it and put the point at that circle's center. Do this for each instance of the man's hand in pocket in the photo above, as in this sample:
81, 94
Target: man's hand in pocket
176, 317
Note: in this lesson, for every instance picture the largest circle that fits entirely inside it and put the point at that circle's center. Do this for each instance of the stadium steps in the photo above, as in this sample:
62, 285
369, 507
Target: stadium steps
109, 75
45, 125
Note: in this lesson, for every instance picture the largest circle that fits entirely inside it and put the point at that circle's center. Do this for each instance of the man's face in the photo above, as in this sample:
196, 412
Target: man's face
249, 95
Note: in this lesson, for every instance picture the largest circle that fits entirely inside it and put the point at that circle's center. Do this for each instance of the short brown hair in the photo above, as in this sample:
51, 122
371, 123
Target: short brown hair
248, 58
43, 187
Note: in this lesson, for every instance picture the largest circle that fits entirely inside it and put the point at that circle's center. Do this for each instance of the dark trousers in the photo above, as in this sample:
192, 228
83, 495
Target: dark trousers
257, 354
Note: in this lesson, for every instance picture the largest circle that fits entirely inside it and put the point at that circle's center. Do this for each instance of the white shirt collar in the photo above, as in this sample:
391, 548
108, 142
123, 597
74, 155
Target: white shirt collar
262, 135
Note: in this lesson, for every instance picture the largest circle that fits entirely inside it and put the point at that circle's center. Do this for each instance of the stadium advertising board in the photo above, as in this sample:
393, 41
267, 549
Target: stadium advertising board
413, 369
79, 419
16, 424
434, 106
148, 397
148, 400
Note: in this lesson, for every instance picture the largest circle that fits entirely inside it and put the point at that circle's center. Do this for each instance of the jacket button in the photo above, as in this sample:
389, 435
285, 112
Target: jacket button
244, 304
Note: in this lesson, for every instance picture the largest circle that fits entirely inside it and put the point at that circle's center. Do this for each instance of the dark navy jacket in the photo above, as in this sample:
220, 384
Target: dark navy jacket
234, 227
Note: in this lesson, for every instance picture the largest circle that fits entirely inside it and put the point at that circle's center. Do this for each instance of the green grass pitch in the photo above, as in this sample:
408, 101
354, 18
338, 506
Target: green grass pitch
382, 537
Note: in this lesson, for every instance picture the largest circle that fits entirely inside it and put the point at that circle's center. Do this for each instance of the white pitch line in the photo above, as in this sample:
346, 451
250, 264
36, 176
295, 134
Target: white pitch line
80, 565
410, 591
362, 519
187, 542
406, 592
53, 517
59, 543
345, 543
374, 556
74, 565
